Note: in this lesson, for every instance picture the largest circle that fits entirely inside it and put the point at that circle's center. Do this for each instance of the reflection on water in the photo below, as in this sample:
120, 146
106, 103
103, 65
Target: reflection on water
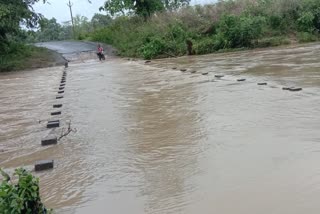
156, 140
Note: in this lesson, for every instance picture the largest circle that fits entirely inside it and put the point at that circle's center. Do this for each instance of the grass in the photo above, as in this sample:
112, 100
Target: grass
28, 57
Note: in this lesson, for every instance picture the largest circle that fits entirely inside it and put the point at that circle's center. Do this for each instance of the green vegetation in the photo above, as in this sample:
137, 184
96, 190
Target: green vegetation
19, 56
22, 196
50, 30
225, 25
163, 28
141, 7
14, 14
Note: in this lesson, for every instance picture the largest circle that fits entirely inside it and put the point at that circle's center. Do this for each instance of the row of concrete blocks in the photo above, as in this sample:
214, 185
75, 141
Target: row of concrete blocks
239, 80
52, 139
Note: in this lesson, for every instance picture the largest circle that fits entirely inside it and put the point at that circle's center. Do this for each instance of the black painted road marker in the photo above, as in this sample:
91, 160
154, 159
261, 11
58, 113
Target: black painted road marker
43, 165
218, 76
53, 124
49, 140
295, 89
57, 105
56, 113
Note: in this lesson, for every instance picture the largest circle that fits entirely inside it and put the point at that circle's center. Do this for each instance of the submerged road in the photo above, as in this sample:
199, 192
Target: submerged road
68, 47
76, 50
153, 139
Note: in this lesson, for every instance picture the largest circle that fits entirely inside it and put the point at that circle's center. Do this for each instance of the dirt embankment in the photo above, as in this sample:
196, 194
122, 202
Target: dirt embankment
49, 58
30, 58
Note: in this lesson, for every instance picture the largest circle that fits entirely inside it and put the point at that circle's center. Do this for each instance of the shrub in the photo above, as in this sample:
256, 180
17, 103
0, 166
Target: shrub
271, 41
205, 46
210, 44
153, 48
306, 37
240, 31
21, 197
305, 22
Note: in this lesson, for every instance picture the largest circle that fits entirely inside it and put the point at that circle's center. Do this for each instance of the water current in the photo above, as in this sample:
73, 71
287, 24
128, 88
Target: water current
152, 139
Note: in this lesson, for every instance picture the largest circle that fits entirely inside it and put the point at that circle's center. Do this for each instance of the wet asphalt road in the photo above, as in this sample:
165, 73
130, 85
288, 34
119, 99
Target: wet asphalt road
72, 50
68, 47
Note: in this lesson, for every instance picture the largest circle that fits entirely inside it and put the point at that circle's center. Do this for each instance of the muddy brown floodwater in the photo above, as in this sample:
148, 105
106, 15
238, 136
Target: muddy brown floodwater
151, 139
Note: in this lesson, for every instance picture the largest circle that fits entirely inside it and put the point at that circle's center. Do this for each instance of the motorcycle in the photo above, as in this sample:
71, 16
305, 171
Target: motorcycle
101, 56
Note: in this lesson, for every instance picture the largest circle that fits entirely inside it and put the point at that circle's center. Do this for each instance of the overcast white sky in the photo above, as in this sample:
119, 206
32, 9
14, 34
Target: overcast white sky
60, 10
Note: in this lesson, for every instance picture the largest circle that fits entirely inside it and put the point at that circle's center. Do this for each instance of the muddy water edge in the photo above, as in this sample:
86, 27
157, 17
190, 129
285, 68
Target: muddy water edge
153, 139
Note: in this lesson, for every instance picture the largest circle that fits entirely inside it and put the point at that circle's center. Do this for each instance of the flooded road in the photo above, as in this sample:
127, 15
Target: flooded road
151, 139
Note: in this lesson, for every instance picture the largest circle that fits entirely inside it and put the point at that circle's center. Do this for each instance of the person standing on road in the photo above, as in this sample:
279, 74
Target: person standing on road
100, 53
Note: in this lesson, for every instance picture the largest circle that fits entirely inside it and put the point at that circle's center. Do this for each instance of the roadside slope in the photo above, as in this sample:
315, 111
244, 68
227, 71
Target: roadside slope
30, 57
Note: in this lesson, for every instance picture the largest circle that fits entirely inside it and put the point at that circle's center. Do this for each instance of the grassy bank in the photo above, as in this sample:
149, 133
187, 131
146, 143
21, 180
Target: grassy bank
20, 57
229, 24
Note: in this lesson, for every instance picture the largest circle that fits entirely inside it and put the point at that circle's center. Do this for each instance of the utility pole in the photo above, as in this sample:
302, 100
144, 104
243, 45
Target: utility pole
70, 7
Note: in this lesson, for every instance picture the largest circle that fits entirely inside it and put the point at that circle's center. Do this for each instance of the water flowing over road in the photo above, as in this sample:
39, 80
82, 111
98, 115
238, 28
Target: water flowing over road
152, 139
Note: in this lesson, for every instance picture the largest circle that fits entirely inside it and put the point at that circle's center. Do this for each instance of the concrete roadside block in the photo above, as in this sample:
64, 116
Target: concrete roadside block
43, 165
291, 89
49, 140
57, 105
56, 113
295, 89
53, 124
241, 80
218, 76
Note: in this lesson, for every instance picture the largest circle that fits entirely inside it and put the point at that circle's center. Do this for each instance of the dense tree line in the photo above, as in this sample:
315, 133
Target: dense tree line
143, 8
226, 24
51, 30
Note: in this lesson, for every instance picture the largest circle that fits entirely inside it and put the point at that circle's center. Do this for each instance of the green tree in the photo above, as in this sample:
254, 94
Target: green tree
100, 20
82, 26
16, 12
66, 32
49, 30
142, 7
